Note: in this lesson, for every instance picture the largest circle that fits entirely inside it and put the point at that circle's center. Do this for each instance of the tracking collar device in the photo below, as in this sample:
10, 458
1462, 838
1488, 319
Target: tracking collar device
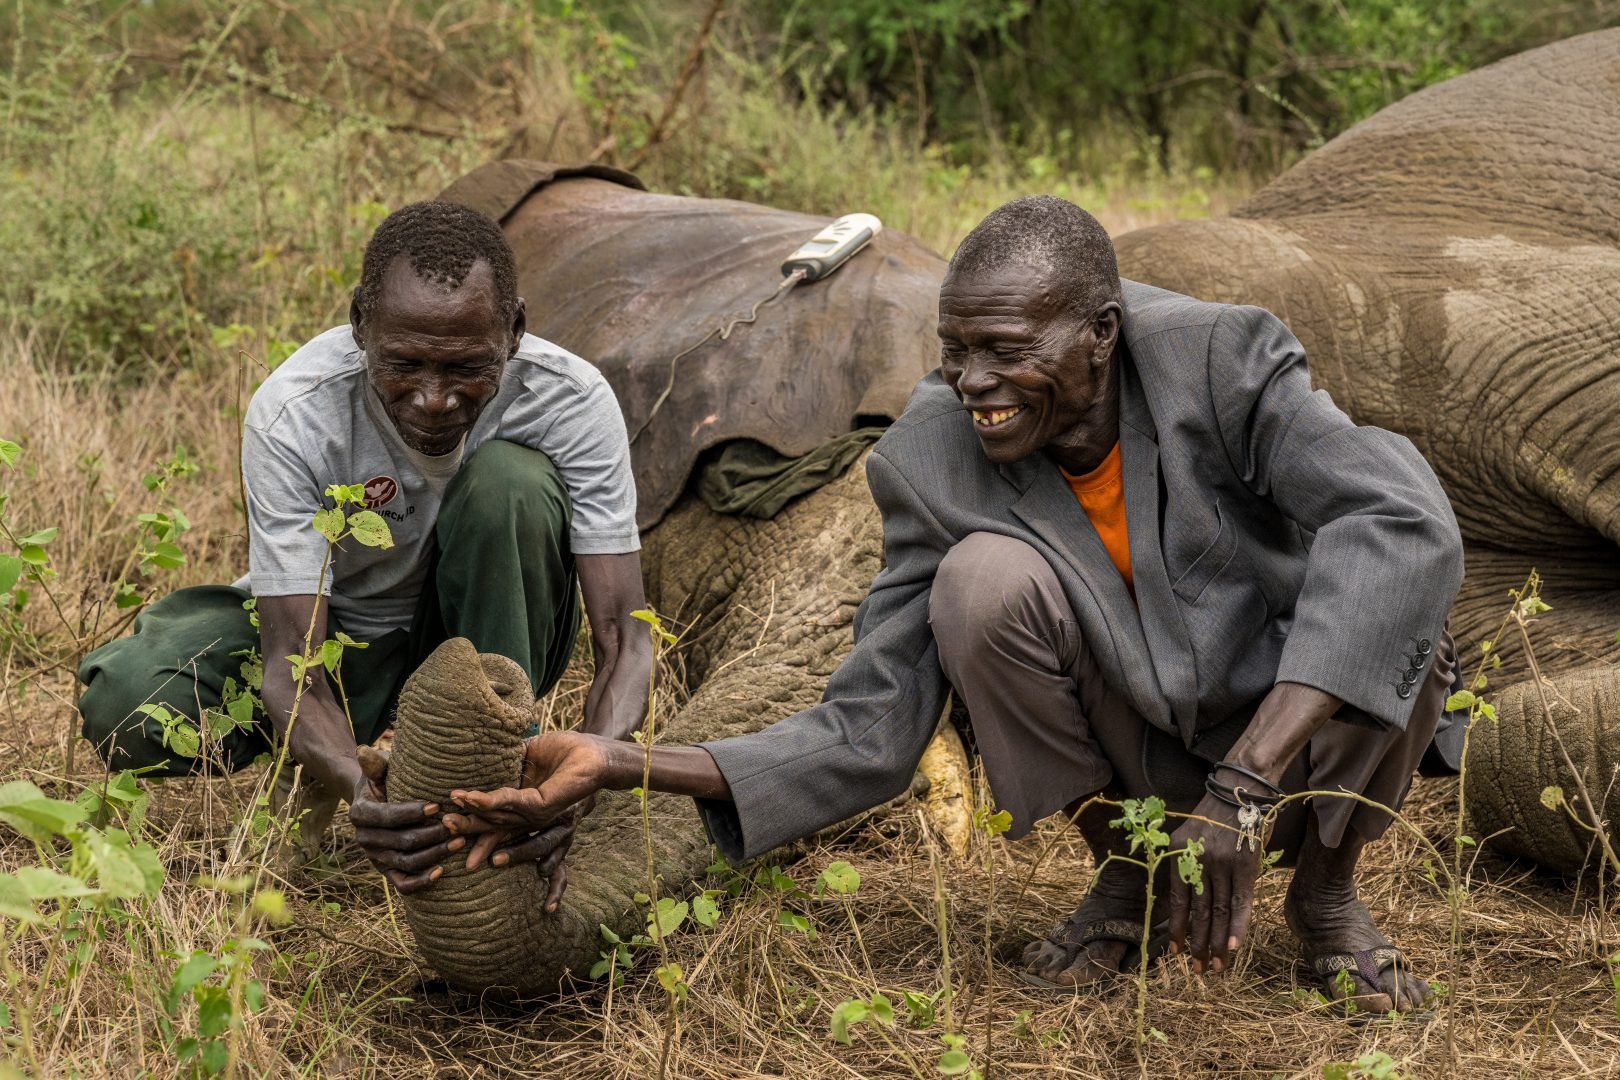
831, 247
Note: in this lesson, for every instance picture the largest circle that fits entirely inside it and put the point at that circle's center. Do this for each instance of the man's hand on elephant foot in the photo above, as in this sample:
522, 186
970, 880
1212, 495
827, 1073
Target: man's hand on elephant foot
503, 844
404, 840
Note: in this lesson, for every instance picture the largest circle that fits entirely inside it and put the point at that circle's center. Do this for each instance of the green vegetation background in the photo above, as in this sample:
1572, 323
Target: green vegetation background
181, 179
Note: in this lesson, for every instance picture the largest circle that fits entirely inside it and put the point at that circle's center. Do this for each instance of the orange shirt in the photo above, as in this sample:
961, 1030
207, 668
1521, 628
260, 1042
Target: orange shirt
1102, 496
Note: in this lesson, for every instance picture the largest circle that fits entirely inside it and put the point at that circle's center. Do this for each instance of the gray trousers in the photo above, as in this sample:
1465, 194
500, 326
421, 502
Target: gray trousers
1050, 730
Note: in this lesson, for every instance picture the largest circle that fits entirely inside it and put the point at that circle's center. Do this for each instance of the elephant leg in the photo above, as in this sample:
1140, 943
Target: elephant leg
1517, 757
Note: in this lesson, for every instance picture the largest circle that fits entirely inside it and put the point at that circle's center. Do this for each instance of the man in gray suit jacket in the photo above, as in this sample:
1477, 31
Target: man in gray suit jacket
1150, 560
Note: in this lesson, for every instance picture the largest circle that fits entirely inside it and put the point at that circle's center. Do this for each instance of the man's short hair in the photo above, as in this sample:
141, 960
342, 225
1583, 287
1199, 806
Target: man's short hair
443, 241
1050, 233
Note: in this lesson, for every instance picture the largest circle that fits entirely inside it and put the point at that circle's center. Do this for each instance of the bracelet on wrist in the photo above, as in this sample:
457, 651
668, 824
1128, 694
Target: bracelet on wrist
1249, 774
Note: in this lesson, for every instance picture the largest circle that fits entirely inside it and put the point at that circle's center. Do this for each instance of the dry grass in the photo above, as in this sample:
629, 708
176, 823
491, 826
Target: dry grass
346, 998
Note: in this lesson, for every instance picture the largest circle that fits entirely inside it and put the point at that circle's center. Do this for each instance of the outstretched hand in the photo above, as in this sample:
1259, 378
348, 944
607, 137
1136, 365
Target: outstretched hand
1211, 923
405, 840
535, 822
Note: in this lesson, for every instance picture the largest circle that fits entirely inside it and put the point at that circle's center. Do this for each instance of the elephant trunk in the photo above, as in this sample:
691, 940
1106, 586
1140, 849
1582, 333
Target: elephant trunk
462, 722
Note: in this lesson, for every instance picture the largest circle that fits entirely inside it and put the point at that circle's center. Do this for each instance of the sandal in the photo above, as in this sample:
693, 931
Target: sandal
1122, 930
1369, 964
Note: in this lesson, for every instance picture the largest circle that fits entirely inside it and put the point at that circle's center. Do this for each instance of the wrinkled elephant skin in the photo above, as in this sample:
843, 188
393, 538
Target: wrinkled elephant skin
766, 607
1452, 266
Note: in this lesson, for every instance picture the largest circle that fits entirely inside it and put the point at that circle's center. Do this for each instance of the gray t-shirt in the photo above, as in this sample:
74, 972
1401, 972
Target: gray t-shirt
316, 421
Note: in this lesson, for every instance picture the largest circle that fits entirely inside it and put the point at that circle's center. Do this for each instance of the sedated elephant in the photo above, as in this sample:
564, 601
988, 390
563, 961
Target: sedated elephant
1452, 266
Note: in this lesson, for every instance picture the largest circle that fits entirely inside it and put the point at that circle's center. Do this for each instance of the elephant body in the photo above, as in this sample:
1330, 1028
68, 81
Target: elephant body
1452, 266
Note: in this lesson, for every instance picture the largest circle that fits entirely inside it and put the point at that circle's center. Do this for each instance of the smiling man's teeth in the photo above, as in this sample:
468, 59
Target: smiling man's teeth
997, 416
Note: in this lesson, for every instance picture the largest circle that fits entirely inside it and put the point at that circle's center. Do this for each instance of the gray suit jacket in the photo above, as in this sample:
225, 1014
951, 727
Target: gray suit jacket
1272, 539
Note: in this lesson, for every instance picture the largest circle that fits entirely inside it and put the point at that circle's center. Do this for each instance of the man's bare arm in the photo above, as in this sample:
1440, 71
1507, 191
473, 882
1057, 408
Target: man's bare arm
611, 586
560, 768
322, 740
404, 840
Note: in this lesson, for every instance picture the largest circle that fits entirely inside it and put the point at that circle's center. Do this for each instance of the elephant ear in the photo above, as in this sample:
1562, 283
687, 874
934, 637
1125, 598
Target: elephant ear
650, 287
458, 713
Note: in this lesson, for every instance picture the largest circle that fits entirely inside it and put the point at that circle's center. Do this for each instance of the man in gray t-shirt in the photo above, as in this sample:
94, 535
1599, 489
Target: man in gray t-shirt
501, 466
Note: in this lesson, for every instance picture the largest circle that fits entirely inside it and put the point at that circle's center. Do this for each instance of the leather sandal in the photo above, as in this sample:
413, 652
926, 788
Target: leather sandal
1368, 964
1092, 930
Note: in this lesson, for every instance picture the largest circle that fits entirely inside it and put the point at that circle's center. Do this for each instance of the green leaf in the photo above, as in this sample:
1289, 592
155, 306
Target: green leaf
11, 569
145, 858
882, 1010
219, 723
190, 974
44, 883
846, 1013
272, 904
1462, 699
840, 878
329, 523
118, 871
920, 1006
15, 902
669, 977
183, 739
9, 453
650, 617
794, 922
347, 494
368, 527
39, 539
331, 654
667, 918
165, 556
29, 811
705, 912
240, 710
1552, 797
953, 1063
213, 1012
1532, 606
992, 824
253, 995
33, 555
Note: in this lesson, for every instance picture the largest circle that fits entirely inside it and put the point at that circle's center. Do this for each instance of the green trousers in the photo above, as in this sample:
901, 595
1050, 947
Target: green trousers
502, 577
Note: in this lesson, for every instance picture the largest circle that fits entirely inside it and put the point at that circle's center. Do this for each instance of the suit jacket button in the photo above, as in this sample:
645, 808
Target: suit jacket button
1425, 646
1411, 675
1404, 690
1418, 660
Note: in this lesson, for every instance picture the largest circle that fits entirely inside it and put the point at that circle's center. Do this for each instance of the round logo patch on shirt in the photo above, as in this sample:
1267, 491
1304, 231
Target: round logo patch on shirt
380, 491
